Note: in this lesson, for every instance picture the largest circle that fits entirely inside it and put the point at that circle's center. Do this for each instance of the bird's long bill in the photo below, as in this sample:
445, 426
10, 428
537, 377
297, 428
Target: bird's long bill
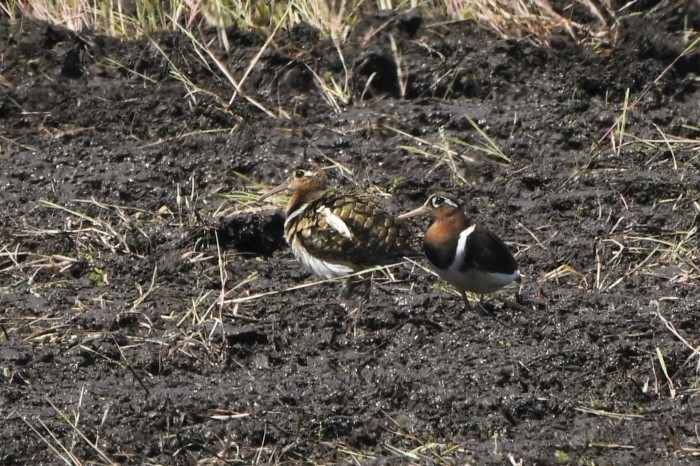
413, 213
272, 192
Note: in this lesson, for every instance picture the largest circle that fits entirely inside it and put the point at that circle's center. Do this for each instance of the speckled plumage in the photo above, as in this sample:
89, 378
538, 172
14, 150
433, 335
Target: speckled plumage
333, 233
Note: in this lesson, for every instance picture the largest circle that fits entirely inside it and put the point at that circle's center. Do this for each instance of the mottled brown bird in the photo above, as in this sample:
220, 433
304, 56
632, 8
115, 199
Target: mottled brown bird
334, 233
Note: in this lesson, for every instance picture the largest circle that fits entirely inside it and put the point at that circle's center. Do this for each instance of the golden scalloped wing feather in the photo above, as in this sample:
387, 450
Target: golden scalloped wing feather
372, 236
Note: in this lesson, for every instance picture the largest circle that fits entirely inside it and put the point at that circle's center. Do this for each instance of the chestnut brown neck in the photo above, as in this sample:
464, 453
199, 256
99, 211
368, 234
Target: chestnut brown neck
303, 196
446, 227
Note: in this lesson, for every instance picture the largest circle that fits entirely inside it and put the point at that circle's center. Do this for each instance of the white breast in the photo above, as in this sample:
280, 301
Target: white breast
317, 266
477, 281
313, 264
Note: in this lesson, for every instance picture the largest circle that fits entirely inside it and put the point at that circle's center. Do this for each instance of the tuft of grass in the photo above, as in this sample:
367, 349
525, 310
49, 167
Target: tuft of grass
205, 52
486, 145
561, 456
536, 22
335, 19
335, 94
441, 152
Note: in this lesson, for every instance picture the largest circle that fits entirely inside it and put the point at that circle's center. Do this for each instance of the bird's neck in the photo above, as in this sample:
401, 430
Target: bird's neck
301, 198
446, 229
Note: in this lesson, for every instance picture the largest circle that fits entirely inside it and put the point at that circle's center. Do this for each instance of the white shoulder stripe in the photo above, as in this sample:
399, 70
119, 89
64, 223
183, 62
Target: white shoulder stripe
336, 222
295, 214
462, 244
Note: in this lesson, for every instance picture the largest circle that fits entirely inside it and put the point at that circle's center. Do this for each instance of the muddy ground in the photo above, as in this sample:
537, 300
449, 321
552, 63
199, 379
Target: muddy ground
124, 219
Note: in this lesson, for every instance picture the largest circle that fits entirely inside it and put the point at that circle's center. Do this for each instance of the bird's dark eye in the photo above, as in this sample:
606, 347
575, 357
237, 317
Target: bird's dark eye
299, 173
438, 201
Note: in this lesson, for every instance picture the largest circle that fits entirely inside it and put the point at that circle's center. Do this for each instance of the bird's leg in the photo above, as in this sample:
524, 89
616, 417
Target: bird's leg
346, 301
353, 303
467, 306
479, 306
367, 284
481, 309
352, 282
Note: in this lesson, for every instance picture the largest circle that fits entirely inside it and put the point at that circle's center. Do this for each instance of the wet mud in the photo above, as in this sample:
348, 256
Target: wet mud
152, 312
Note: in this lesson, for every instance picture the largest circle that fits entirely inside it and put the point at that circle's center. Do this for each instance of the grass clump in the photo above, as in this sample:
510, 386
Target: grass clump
521, 19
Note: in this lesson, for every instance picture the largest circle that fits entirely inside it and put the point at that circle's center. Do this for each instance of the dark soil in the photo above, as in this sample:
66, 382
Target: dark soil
114, 222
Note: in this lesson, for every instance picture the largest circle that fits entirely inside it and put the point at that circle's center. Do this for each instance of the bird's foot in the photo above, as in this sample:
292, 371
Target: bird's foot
514, 305
481, 309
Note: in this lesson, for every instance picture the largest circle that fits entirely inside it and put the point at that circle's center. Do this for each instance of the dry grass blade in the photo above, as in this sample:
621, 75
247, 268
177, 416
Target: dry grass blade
95, 222
143, 295
402, 81
227, 74
120, 66
563, 270
108, 236
609, 414
123, 363
674, 250
695, 350
424, 451
13, 257
307, 285
256, 58
357, 456
333, 19
15, 143
223, 275
331, 92
434, 145
613, 446
244, 202
689, 49
61, 451
662, 362
192, 89
10, 9
534, 21
488, 146
447, 155
222, 414
191, 133
80, 433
